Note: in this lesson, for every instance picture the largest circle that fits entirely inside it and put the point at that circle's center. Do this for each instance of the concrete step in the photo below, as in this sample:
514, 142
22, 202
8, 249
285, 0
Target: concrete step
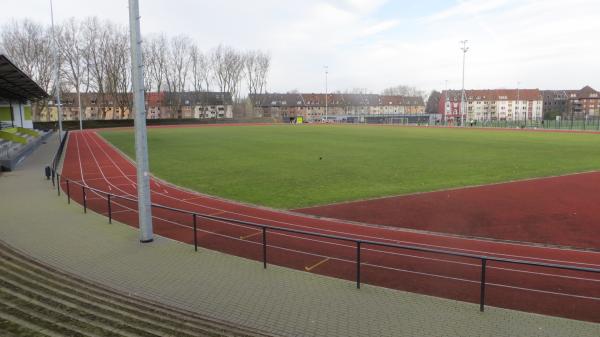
105, 303
13, 326
101, 317
11, 306
106, 311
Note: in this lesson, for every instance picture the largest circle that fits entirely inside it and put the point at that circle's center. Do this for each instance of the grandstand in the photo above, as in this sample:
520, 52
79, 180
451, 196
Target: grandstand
37, 300
17, 136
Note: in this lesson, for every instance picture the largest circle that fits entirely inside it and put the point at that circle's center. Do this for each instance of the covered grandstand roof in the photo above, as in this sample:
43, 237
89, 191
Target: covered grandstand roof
16, 85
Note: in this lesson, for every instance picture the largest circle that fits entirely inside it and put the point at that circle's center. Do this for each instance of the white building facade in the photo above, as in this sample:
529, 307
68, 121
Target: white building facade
492, 105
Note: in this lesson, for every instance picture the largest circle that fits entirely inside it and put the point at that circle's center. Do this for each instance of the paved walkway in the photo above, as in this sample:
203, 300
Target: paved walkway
278, 300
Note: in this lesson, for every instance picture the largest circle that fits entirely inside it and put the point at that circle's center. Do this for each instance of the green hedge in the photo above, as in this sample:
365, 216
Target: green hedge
97, 124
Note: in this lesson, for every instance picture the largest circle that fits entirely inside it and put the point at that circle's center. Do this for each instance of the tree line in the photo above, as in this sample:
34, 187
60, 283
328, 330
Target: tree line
94, 56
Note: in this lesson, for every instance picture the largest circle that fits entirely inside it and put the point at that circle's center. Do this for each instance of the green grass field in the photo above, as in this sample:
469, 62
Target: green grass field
286, 166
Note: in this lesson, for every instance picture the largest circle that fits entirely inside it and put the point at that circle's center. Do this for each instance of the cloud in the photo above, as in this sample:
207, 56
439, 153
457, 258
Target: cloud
377, 43
379, 27
466, 8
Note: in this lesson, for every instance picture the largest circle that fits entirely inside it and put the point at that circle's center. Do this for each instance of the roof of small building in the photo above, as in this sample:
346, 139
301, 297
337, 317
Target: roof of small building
16, 85
585, 92
201, 97
496, 94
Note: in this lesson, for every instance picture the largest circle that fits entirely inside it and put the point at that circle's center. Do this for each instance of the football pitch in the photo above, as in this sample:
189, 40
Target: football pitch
285, 166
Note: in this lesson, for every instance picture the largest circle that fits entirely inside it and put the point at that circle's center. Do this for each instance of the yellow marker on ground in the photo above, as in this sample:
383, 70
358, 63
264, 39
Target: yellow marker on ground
249, 235
316, 264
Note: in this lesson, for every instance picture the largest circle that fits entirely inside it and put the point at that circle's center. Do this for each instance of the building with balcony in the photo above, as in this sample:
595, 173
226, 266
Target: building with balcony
319, 107
159, 105
492, 105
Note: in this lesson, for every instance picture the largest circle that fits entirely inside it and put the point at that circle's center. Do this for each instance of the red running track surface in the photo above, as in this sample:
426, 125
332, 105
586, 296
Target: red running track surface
90, 160
557, 210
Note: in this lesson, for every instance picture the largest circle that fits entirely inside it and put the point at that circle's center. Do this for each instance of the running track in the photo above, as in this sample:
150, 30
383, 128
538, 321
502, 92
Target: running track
91, 161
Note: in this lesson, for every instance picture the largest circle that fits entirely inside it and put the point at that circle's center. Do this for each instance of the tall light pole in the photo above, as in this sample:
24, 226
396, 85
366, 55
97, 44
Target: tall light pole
79, 103
444, 118
518, 105
141, 143
56, 74
464, 49
326, 92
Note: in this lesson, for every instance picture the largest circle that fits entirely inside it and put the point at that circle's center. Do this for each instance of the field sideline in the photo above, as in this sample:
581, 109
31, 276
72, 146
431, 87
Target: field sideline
284, 166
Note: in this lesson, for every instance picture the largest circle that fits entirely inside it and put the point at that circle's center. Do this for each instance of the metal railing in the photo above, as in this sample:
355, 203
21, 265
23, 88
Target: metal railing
265, 229
57, 156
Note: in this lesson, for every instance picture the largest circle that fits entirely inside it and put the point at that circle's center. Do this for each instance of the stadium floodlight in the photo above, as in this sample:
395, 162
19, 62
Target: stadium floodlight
326, 92
518, 105
464, 49
56, 73
80, 112
141, 143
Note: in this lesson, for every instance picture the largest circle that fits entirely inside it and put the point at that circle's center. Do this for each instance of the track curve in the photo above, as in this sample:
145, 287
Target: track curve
92, 161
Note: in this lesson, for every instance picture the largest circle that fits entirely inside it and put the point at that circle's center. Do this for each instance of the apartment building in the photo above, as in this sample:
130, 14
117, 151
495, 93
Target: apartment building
490, 105
582, 103
162, 105
315, 107
194, 104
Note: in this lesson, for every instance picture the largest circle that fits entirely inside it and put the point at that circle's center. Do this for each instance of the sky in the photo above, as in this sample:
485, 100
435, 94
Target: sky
375, 44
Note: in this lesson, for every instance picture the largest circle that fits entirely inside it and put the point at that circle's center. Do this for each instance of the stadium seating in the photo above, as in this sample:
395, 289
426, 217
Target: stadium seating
37, 300
17, 143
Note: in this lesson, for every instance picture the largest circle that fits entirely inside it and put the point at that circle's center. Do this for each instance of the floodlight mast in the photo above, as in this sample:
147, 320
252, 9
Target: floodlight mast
141, 143
518, 105
326, 92
79, 103
56, 73
464, 49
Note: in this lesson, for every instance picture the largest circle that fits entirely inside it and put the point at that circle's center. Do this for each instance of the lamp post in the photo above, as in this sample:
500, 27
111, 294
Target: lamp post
141, 143
518, 105
56, 74
79, 103
326, 92
464, 49
444, 118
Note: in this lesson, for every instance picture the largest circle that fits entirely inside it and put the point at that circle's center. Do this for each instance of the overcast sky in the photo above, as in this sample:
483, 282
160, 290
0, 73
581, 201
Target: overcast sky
375, 44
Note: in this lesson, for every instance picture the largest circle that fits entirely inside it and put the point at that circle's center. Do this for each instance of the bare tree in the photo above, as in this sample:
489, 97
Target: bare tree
178, 63
200, 69
404, 90
157, 62
97, 40
262, 73
177, 70
28, 45
72, 50
147, 62
227, 67
361, 91
256, 69
94, 58
116, 60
